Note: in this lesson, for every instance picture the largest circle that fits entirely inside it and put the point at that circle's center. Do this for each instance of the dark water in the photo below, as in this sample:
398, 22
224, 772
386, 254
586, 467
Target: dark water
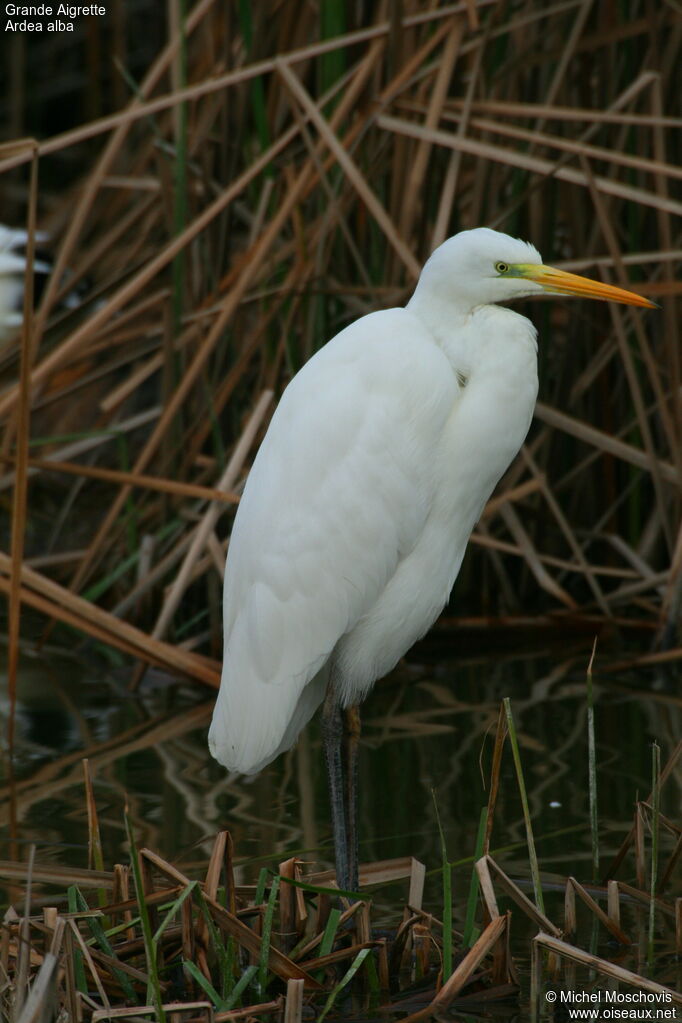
427, 729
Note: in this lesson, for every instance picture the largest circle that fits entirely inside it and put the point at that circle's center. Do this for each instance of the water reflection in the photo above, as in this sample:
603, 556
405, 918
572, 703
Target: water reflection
428, 727
427, 730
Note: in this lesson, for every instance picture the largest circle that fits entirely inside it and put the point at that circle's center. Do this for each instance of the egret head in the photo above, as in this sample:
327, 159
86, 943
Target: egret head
482, 266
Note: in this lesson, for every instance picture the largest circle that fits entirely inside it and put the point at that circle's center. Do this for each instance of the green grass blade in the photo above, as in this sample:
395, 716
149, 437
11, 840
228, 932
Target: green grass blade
154, 985
373, 980
241, 985
220, 1004
446, 870
224, 951
346, 979
102, 940
78, 966
94, 592
470, 929
258, 103
189, 890
318, 889
327, 943
261, 886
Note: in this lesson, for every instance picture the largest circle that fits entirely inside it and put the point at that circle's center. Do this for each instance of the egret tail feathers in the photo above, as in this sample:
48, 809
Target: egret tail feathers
253, 723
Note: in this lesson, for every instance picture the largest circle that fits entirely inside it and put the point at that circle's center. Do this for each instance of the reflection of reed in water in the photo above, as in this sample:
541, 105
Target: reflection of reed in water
426, 728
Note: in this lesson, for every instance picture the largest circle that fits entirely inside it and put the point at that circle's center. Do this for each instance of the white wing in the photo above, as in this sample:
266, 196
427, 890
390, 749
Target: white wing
338, 494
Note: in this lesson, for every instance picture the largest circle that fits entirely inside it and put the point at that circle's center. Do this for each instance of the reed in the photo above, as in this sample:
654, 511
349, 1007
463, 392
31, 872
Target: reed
246, 186
224, 222
592, 770
184, 944
532, 855
446, 880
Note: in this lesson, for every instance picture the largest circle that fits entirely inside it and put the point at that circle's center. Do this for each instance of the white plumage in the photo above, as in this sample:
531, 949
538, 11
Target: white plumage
12, 271
374, 470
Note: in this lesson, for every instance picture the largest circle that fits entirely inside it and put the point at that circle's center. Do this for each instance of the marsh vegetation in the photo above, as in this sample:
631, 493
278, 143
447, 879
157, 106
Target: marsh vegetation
223, 194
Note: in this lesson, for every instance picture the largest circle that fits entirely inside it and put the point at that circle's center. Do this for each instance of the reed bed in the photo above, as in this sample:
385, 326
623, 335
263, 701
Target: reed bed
147, 940
276, 171
231, 193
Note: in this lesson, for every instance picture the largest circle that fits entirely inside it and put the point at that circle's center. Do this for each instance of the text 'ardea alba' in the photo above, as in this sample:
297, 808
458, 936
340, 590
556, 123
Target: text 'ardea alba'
356, 514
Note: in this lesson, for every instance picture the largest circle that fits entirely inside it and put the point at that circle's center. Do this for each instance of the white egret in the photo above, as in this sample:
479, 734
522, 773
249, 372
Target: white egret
356, 514
13, 242
12, 270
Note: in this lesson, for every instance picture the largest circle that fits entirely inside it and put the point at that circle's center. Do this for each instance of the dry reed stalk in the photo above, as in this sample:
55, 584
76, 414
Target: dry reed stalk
613, 898
50, 874
40, 591
165, 486
464, 971
176, 1008
577, 889
77, 341
220, 82
249, 268
666, 771
659, 168
417, 171
338, 956
19, 502
495, 768
293, 1008
421, 128
486, 867
263, 1008
143, 586
644, 898
511, 108
644, 660
604, 442
225, 483
252, 265
79, 215
534, 164
350, 168
673, 360
88, 444
625, 353
605, 968
533, 559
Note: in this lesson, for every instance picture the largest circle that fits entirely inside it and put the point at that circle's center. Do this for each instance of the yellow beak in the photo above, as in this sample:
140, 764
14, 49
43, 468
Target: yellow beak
561, 283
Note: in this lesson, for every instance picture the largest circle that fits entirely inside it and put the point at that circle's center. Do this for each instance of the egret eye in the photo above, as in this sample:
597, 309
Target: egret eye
502, 268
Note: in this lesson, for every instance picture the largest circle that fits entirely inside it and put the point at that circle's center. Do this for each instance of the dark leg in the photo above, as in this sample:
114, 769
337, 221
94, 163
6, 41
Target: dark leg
332, 734
352, 737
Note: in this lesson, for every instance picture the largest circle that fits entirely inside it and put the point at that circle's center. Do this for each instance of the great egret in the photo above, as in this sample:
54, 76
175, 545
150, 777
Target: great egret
13, 243
12, 270
356, 514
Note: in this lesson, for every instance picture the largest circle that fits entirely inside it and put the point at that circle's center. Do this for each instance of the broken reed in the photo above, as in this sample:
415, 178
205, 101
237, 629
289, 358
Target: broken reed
230, 219
231, 941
